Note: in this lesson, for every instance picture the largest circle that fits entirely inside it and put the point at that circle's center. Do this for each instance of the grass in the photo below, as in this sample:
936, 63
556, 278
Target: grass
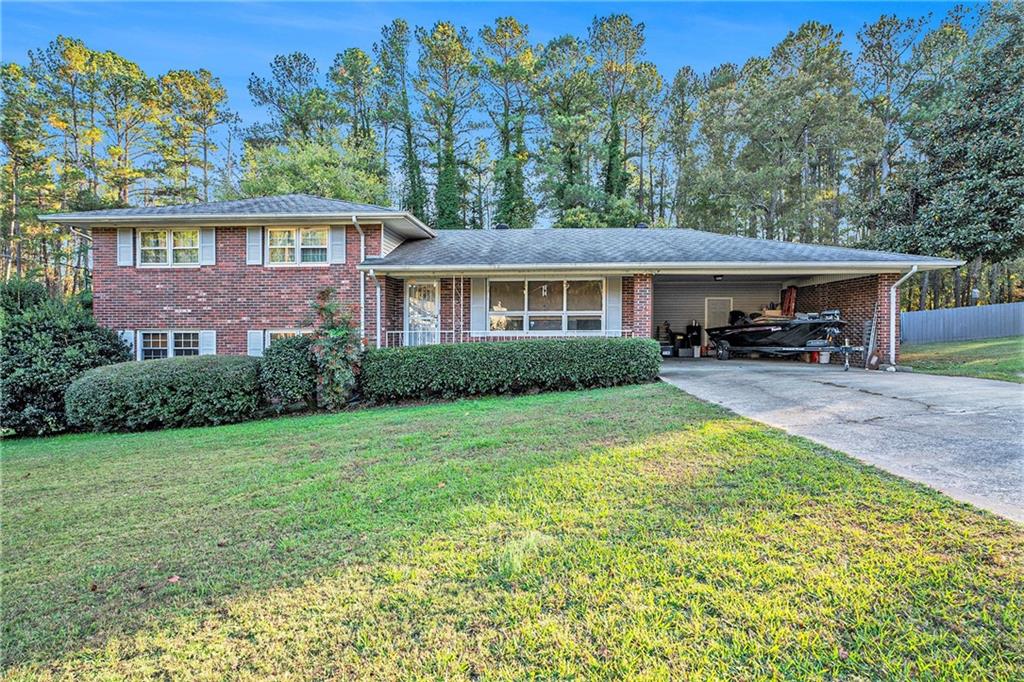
632, 532
985, 359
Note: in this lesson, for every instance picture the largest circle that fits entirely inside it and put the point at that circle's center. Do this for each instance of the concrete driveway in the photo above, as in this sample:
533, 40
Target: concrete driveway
962, 436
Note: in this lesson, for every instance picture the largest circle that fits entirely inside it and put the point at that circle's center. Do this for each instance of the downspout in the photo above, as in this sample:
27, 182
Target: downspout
376, 283
893, 313
362, 278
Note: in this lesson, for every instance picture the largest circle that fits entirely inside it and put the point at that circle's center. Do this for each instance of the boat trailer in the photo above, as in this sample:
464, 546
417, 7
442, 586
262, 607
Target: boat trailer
723, 351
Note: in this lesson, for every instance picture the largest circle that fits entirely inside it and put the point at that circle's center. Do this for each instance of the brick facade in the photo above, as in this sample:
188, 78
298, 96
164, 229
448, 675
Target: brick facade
233, 298
229, 297
856, 300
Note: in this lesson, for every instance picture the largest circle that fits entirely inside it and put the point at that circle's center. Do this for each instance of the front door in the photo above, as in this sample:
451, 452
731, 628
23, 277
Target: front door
422, 315
716, 312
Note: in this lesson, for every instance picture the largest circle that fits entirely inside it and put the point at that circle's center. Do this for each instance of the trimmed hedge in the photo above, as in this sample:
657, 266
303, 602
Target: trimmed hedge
174, 392
288, 372
466, 369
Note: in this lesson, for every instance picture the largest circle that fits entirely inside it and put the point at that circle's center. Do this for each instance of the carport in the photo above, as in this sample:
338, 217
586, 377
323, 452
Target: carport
707, 299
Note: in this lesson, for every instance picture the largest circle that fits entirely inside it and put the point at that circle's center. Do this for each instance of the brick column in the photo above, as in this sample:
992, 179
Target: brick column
643, 305
882, 296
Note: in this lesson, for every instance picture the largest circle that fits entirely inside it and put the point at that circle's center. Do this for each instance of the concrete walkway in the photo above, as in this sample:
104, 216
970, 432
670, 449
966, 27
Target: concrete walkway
962, 436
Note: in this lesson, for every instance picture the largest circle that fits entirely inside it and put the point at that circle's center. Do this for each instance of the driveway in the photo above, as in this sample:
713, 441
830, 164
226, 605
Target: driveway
959, 435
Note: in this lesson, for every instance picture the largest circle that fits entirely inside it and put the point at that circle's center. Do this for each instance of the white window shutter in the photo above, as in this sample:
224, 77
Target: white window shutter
128, 336
337, 244
124, 246
254, 342
207, 246
208, 342
478, 304
254, 246
613, 304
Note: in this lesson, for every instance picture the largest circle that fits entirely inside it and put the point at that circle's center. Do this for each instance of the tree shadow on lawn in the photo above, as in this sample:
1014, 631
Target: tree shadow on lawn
718, 548
107, 535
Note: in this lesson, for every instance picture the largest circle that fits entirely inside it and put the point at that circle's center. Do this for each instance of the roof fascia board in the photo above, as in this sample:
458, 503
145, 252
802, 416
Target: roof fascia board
698, 268
400, 221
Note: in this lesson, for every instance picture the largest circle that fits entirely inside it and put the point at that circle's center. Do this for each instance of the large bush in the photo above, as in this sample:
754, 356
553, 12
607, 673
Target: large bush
465, 369
173, 392
43, 348
338, 351
18, 295
288, 373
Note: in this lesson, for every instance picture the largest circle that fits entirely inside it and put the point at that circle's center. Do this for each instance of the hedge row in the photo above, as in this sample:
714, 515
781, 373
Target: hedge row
173, 392
467, 369
207, 390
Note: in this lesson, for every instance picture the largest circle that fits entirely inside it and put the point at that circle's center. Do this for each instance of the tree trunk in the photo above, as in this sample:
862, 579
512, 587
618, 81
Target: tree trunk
922, 296
974, 281
957, 288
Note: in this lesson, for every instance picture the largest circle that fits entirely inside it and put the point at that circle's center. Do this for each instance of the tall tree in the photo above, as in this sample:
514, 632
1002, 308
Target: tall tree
297, 102
509, 66
392, 54
66, 71
618, 46
567, 97
130, 101
193, 105
679, 131
24, 169
964, 198
354, 78
447, 84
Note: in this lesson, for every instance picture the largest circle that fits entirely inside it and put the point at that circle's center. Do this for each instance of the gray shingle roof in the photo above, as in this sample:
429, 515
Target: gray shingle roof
285, 205
620, 246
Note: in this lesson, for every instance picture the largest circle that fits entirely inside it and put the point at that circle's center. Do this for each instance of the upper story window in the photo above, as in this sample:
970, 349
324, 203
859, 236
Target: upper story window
169, 247
297, 245
545, 306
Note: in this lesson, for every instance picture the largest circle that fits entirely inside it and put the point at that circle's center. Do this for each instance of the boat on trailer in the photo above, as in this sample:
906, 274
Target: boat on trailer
782, 336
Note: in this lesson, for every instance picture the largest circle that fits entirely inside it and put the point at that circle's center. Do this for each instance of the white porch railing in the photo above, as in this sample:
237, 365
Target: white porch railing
426, 338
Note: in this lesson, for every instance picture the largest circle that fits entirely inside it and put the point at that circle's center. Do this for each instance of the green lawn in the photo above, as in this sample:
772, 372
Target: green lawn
987, 359
632, 532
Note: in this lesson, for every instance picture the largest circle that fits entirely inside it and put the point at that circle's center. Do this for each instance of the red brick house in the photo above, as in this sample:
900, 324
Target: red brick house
230, 277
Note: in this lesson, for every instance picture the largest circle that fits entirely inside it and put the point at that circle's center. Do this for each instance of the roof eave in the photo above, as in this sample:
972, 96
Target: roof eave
406, 222
709, 268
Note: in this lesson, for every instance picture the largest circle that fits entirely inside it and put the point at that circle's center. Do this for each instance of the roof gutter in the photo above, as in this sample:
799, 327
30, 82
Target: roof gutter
893, 312
682, 267
214, 219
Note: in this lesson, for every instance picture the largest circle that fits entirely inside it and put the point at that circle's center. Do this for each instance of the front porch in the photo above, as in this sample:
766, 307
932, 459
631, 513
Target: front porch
428, 310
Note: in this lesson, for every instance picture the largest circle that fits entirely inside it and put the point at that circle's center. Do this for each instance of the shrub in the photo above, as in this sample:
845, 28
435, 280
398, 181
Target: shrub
42, 350
338, 351
288, 373
465, 369
18, 295
173, 392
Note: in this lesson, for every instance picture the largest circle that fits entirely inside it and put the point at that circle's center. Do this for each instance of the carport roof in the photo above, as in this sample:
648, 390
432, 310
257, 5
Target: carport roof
654, 250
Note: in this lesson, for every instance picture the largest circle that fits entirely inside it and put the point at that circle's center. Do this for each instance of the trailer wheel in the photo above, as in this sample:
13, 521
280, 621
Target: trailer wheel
722, 351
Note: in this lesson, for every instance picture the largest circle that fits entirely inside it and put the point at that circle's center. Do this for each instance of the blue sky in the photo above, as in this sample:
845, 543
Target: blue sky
234, 39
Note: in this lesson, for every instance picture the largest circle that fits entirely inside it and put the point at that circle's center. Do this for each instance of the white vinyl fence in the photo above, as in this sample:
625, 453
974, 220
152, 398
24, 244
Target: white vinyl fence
962, 324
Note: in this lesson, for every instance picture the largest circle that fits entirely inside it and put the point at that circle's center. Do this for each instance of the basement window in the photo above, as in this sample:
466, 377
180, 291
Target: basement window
167, 344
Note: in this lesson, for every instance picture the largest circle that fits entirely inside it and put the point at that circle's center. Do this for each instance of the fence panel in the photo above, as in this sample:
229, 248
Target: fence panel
962, 324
